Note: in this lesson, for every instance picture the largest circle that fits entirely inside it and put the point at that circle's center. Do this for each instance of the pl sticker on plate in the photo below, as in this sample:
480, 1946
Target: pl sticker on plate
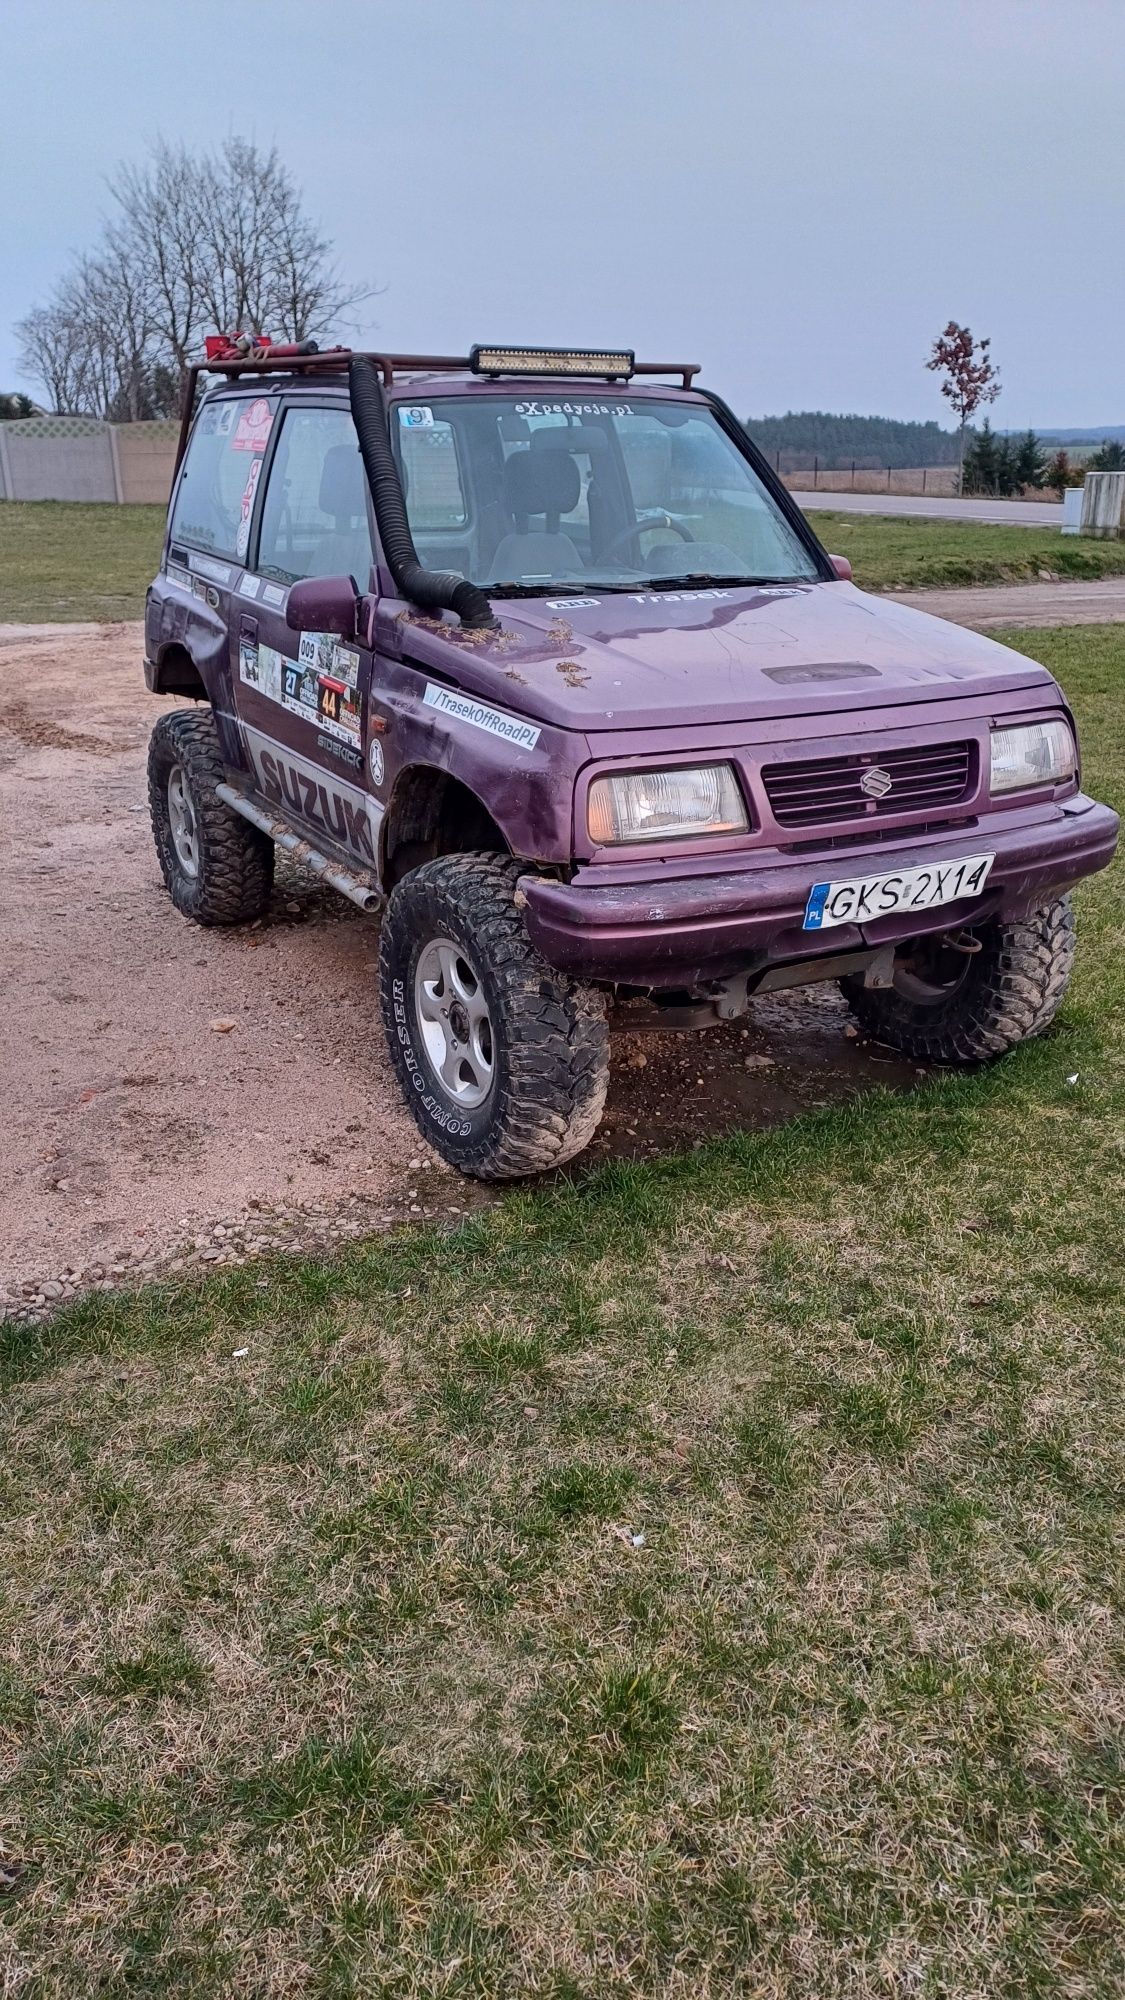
866, 897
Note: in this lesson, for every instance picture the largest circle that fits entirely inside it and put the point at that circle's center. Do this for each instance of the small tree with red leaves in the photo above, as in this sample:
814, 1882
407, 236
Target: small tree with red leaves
969, 379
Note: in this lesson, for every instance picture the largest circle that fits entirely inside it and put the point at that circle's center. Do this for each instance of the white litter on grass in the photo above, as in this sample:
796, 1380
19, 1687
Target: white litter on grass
1074, 1078
240, 1354
635, 1541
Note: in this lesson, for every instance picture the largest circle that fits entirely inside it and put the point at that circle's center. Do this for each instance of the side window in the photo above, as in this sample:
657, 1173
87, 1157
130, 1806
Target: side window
216, 490
314, 518
431, 472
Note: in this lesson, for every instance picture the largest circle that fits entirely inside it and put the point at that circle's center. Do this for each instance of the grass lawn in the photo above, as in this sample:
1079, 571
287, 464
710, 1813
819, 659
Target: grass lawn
63, 560
70, 561
890, 552
701, 1579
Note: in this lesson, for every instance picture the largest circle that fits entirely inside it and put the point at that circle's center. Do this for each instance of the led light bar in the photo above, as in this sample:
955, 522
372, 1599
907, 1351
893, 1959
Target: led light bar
616, 365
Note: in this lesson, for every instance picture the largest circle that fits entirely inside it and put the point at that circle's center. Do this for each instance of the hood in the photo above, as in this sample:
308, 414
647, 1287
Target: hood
671, 658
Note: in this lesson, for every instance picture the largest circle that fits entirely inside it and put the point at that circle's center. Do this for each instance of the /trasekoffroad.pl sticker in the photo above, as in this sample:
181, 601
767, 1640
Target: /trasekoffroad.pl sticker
511, 727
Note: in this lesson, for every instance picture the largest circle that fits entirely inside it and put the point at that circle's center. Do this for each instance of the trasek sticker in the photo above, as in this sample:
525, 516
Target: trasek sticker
511, 727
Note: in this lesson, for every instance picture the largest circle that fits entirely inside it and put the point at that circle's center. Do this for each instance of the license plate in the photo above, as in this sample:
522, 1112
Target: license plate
866, 897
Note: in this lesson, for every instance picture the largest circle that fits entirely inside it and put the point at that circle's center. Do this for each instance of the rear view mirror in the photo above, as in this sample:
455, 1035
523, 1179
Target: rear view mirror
324, 604
842, 567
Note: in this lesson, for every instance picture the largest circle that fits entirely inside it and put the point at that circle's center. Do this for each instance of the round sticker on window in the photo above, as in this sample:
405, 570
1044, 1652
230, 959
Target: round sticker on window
375, 760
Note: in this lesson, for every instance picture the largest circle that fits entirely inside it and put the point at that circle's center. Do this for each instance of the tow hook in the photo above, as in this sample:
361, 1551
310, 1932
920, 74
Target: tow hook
961, 941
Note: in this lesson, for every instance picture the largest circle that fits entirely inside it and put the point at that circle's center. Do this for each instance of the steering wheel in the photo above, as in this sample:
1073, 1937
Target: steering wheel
645, 528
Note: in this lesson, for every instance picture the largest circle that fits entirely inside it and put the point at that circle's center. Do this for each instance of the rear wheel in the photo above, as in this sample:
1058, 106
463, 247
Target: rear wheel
502, 1060
216, 867
971, 995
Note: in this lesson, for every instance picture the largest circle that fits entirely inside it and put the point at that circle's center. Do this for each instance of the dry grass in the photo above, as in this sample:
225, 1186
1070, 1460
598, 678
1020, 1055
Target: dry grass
701, 1580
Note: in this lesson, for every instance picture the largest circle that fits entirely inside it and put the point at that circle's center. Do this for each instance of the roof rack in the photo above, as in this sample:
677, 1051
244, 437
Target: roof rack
334, 361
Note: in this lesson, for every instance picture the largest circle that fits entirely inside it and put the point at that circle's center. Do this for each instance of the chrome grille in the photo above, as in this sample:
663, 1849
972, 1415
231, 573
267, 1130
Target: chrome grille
827, 789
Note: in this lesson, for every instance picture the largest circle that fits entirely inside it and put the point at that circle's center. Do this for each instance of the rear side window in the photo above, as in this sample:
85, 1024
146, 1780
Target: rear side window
224, 460
314, 517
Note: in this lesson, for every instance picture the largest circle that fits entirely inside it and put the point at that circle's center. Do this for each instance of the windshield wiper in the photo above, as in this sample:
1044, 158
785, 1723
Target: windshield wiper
544, 589
553, 589
701, 577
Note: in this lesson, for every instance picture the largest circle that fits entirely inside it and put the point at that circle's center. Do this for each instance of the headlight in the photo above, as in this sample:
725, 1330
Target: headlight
664, 805
1037, 753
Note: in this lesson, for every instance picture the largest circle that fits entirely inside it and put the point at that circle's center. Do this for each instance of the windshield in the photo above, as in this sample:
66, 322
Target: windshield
564, 495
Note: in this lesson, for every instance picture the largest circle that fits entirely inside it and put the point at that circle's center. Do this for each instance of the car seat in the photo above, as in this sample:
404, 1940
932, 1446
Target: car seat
346, 551
547, 483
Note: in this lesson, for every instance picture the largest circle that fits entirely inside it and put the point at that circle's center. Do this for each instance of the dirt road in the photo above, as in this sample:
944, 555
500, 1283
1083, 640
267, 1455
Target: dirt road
136, 1133
1070, 601
934, 507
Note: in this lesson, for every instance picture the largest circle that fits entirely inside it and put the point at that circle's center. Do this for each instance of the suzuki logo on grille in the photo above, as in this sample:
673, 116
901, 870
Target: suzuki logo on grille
876, 782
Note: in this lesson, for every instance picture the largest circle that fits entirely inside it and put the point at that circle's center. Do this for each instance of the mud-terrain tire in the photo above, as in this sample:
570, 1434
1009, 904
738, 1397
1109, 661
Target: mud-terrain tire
536, 1061
1005, 993
221, 871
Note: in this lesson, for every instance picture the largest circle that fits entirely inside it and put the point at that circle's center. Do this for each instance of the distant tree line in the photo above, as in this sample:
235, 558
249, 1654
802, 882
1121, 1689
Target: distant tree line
839, 441
1004, 465
211, 242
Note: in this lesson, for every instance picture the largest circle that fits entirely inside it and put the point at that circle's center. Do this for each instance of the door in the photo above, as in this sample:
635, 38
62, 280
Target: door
303, 697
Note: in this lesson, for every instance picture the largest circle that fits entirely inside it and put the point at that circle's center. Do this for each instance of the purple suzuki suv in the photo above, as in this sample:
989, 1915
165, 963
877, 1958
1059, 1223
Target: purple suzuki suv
532, 652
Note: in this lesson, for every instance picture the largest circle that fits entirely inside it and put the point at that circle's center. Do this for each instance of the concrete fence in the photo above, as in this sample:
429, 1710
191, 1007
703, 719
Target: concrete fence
78, 458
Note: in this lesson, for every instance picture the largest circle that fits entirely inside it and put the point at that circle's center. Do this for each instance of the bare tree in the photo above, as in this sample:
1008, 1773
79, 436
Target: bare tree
216, 241
969, 379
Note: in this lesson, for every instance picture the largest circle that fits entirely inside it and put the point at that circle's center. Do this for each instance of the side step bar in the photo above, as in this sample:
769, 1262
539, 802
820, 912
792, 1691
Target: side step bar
333, 872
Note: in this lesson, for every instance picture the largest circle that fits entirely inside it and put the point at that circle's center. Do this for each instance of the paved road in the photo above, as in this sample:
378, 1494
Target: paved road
1010, 513
1066, 603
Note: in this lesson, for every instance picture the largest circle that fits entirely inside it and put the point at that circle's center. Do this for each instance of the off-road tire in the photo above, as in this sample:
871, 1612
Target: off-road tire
235, 866
549, 1033
1010, 991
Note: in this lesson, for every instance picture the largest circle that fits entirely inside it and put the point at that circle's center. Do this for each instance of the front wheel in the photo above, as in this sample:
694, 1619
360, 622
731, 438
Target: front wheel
971, 995
502, 1060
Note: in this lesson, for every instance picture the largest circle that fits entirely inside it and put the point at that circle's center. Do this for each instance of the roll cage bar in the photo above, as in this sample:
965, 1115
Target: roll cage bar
335, 360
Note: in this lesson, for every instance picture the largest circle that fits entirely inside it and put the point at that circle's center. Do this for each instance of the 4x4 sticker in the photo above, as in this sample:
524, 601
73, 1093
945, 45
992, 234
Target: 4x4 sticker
511, 727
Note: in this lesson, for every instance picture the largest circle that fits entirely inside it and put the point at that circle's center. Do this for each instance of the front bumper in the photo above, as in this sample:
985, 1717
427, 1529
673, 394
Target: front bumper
672, 931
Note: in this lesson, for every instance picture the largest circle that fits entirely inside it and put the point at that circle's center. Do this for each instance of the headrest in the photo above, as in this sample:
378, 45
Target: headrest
541, 483
569, 437
341, 483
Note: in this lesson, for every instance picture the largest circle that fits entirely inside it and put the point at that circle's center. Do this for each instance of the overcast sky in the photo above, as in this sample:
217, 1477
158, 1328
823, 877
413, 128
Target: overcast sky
796, 193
